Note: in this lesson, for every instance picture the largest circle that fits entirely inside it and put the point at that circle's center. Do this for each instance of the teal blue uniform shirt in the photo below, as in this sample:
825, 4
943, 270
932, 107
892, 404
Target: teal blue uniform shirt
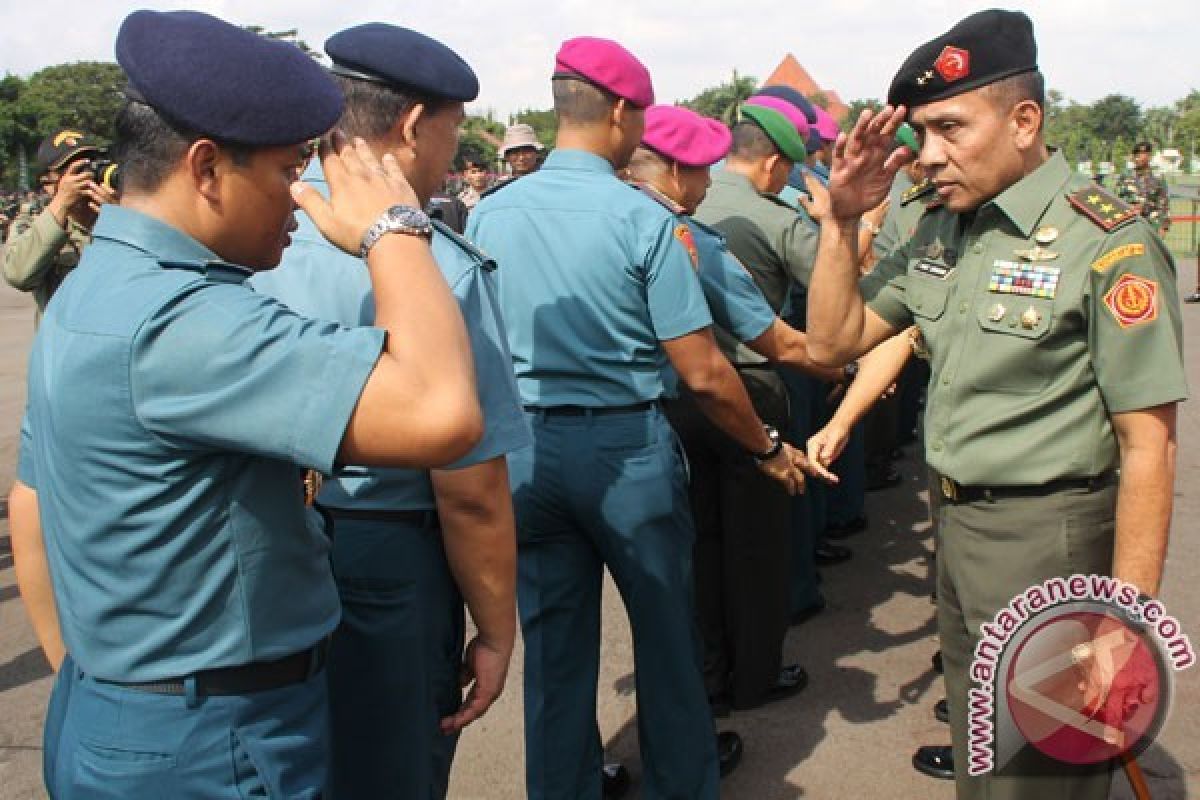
318, 280
586, 331
170, 409
733, 297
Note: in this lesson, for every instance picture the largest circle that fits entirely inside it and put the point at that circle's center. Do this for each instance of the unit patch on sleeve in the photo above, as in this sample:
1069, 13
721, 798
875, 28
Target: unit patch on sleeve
1030, 280
1133, 300
684, 234
1104, 263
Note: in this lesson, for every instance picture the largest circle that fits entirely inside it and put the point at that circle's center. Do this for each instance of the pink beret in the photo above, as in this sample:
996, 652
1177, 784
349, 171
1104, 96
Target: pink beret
684, 136
608, 65
827, 127
793, 114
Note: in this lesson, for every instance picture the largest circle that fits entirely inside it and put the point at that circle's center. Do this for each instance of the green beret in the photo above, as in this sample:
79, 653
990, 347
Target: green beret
779, 130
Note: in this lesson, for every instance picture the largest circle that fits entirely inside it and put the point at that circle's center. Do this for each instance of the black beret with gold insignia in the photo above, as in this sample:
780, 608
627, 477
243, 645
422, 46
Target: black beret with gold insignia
983, 48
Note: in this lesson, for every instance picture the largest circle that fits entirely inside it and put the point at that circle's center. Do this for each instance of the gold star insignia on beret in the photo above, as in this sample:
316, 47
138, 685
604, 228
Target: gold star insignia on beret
925, 77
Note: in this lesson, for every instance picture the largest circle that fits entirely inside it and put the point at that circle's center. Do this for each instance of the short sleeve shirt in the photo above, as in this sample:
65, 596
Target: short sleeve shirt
171, 409
320, 281
592, 278
1040, 324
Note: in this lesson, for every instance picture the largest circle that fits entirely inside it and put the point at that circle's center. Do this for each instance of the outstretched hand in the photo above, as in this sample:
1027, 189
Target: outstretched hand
865, 162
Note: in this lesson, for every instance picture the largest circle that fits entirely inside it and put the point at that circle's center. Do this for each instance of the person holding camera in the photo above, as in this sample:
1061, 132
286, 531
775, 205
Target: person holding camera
42, 248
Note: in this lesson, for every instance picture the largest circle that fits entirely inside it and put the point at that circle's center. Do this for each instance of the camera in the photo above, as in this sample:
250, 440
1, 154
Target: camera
105, 171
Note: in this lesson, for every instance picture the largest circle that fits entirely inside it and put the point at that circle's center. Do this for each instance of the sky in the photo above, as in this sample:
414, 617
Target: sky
1087, 48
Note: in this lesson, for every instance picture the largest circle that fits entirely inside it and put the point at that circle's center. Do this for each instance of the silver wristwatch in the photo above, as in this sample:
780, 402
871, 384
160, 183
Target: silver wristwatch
397, 219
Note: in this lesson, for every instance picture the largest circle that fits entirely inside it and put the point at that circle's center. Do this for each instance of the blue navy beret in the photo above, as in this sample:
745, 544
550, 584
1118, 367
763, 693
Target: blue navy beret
813, 143
403, 59
216, 79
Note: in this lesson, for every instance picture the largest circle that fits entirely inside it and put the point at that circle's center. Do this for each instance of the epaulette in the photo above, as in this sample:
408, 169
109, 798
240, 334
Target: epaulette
916, 190
659, 197
491, 190
213, 271
1101, 207
464, 244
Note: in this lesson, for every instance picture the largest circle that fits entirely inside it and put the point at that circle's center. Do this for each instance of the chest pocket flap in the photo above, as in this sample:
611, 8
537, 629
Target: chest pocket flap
1015, 315
927, 297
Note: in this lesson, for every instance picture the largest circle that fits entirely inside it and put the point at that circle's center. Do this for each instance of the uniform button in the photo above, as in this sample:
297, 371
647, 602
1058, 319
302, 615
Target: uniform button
937, 446
962, 309
946, 381
1012, 323
918, 304
978, 248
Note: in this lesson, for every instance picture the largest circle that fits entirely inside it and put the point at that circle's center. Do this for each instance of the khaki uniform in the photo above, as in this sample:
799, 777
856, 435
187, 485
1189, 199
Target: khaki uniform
1046, 310
1147, 191
39, 253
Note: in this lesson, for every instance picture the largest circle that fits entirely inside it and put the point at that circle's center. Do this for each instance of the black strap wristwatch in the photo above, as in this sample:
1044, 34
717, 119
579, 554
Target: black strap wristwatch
774, 449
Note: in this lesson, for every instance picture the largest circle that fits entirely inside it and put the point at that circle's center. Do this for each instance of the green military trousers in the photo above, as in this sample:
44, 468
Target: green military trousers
990, 551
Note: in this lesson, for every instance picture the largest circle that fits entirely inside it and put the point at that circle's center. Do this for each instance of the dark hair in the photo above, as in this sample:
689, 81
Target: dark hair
1007, 92
468, 157
751, 142
148, 146
373, 108
577, 101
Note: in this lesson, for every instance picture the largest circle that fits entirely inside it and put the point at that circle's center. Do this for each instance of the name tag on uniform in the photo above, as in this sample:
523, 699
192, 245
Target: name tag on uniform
932, 269
1029, 280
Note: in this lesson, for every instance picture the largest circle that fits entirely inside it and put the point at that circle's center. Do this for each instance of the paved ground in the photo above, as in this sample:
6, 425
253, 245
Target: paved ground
850, 735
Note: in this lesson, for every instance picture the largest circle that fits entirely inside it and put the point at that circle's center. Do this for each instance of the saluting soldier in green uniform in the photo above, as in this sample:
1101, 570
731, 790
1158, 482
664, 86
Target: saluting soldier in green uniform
1051, 317
1145, 191
42, 247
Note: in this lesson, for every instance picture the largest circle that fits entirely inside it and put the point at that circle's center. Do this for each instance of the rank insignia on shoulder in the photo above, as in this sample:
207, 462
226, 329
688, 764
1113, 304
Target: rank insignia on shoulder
933, 269
916, 190
684, 234
1105, 262
1133, 300
1101, 207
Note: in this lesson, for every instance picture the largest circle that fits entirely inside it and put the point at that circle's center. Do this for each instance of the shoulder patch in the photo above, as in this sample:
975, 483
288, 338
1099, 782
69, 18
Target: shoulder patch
1133, 300
916, 190
684, 234
1105, 262
1101, 207
659, 197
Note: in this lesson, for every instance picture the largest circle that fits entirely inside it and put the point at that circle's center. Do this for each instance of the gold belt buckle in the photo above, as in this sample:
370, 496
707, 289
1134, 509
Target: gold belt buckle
949, 488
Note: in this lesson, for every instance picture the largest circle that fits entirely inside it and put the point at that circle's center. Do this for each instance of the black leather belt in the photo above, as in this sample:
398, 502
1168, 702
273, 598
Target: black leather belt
583, 411
763, 365
261, 676
954, 492
421, 519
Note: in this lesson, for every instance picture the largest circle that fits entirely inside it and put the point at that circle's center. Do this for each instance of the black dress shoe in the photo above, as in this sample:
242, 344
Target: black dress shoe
1194, 297
937, 662
805, 614
936, 761
826, 554
843, 529
615, 781
793, 679
941, 710
729, 751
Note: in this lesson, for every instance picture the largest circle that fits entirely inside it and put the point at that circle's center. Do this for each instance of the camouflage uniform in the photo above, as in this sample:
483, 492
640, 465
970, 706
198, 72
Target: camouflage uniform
39, 252
1147, 191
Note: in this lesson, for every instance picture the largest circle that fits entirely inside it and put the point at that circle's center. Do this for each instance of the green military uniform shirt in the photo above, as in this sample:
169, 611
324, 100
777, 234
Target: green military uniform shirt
909, 202
1147, 191
1041, 319
776, 244
39, 253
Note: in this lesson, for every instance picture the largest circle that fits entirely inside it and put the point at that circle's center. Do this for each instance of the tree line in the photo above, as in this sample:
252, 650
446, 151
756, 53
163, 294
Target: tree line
87, 95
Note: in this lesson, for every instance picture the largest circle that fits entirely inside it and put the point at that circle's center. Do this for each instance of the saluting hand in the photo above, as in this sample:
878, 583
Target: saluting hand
865, 161
361, 188
484, 669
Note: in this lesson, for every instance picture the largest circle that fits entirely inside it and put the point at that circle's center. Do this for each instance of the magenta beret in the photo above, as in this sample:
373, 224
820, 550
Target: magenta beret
608, 65
686, 137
